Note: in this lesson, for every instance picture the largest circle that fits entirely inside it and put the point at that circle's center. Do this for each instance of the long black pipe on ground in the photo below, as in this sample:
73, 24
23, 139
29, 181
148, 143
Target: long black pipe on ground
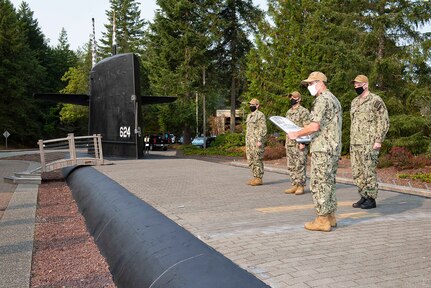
143, 247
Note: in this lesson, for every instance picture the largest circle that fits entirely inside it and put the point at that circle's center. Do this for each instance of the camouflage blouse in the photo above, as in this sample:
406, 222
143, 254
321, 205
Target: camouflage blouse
327, 112
369, 120
301, 117
256, 129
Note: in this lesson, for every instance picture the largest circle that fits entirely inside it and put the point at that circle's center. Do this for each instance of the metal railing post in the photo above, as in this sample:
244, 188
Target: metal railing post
42, 155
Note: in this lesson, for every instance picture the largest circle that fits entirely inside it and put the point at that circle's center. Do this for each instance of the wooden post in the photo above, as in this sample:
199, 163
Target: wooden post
72, 149
96, 146
42, 155
99, 138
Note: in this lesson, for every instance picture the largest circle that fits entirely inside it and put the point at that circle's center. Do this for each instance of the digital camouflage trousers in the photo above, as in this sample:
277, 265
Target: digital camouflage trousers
364, 161
322, 181
255, 161
296, 164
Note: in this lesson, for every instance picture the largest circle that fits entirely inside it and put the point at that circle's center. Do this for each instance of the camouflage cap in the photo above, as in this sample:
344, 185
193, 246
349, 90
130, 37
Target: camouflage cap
360, 79
314, 76
254, 101
295, 94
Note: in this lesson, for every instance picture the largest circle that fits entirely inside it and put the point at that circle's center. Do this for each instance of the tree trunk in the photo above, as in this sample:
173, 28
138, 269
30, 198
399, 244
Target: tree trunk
187, 134
232, 103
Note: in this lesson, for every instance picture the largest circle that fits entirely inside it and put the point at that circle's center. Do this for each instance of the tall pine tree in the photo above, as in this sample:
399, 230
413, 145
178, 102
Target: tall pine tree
176, 57
19, 67
236, 20
129, 28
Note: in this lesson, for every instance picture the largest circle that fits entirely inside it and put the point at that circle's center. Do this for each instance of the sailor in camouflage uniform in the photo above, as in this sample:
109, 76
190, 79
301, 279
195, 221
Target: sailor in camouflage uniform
369, 125
255, 138
296, 153
325, 148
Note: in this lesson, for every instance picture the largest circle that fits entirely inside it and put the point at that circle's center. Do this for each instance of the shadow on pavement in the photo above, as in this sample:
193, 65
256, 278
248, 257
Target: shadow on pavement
388, 209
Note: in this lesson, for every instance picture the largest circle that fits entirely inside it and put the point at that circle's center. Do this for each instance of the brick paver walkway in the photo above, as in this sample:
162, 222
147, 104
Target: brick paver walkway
261, 228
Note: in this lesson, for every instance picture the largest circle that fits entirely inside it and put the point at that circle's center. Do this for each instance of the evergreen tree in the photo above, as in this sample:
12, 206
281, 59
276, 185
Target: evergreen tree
30, 27
58, 61
300, 37
343, 39
400, 69
236, 20
176, 58
18, 65
128, 28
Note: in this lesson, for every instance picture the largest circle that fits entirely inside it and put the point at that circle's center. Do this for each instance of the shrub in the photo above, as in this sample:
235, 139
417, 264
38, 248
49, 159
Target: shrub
417, 143
384, 161
424, 177
421, 161
193, 150
401, 158
274, 152
403, 126
274, 141
229, 140
428, 153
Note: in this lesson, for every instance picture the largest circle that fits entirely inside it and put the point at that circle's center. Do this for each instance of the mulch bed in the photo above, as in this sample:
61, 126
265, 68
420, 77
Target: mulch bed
64, 253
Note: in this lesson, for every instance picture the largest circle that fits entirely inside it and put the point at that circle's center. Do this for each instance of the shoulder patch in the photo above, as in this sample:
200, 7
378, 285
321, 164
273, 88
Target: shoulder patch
378, 105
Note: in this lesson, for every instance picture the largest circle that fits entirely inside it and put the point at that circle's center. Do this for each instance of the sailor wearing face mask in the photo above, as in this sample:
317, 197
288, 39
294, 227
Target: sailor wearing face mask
296, 153
255, 138
325, 148
368, 128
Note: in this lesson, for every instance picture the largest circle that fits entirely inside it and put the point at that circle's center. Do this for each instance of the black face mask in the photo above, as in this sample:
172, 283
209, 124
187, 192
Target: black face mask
359, 90
253, 108
293, 102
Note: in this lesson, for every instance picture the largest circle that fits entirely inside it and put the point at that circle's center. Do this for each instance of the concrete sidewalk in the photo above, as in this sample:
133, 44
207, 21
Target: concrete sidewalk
16, 226
261, 228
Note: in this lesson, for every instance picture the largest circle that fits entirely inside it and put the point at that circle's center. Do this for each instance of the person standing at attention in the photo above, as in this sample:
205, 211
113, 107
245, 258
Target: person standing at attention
325, 148
368, 128
255, 138
296, 153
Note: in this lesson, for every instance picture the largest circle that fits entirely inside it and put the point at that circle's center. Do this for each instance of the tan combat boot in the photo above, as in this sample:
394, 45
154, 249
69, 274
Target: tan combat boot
250, 181
256, 182
321, 223
332, 219
291, 190
299, 190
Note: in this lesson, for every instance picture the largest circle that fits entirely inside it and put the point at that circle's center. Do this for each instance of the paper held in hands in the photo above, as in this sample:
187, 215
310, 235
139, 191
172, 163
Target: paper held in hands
288, 126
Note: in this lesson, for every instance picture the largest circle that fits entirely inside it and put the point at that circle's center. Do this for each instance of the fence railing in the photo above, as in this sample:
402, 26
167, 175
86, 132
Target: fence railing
70, 151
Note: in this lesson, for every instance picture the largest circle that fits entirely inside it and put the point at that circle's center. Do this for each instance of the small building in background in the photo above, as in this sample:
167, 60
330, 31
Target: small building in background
220, 124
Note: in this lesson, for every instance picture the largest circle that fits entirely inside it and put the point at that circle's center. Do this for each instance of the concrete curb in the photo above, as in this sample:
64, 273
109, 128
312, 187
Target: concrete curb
17, 235
343, 180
